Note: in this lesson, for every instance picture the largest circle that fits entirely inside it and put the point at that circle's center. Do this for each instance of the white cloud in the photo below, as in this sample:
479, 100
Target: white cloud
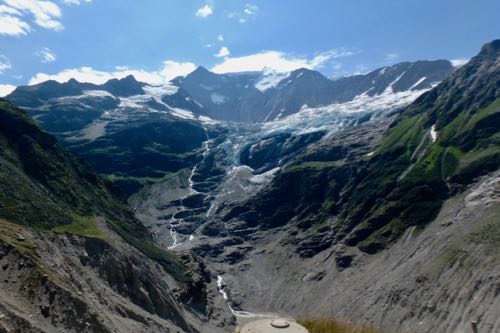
459, 62
391, 56
4, 63
46, 55
15, 13
9, 10
169, 70
223, 52
46, 13
6, 89
220, 38
276, 60
13, 26
172, 69
251, 9
209, 45
204, 11
74, 2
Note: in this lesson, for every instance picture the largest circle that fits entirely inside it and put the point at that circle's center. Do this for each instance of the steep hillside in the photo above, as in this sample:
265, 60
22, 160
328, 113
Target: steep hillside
439, 144
133, 155
438, 279
436, 147
73, 257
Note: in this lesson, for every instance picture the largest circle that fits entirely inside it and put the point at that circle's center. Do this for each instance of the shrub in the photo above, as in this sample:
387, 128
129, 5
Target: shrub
334, 326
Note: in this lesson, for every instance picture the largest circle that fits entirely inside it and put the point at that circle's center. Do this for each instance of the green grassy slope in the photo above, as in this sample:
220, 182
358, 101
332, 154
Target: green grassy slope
410, 175
42, 186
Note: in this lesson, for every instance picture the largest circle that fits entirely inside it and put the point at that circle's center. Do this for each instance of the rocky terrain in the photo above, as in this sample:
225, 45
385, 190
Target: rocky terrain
372, 198
73, 258
438, 279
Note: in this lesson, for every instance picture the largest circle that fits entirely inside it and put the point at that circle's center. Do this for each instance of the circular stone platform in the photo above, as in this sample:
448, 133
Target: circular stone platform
277, 325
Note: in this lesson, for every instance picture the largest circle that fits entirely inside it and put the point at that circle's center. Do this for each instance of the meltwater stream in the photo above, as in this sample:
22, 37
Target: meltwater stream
243, 314
173, 221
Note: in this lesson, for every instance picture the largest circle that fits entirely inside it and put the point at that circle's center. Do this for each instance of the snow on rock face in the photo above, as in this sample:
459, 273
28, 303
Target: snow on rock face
390, 88
270, 79
418, 82
96, 93
160, 90
135, 102
217, 99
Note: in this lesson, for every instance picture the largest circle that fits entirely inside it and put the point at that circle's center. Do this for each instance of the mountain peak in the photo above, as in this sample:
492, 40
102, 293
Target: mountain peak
130, 77
127, 79
308, 74
201, 70
301, 71
124, 87
491, 48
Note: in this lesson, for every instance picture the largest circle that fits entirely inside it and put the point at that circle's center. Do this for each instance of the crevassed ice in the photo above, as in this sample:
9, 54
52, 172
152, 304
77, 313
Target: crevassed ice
311, 119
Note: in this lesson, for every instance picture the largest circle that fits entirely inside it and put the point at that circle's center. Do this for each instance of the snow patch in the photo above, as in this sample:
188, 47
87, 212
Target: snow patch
418, 82
270, 79
390, 88
157, 91
135, 102
96, 93
217, 99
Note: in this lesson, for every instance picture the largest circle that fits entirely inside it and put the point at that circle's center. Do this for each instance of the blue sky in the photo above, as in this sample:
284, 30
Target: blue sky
94, 40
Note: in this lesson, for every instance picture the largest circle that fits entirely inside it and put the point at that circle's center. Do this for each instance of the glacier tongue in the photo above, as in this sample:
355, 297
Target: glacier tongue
335, 116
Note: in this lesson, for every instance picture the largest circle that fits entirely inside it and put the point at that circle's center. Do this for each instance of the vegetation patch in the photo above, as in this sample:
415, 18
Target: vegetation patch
82, 226
334, 326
